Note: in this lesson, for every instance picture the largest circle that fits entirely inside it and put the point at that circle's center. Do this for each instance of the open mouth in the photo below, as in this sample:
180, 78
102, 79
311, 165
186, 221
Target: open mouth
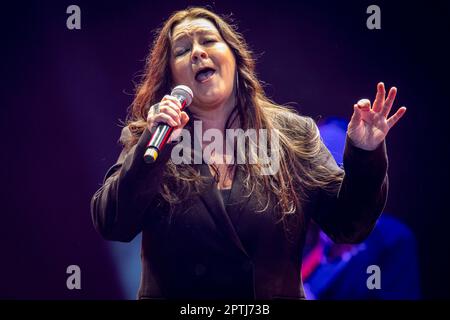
204, 74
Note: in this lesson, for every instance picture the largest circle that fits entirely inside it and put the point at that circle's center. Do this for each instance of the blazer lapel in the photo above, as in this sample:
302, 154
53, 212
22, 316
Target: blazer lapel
212, 199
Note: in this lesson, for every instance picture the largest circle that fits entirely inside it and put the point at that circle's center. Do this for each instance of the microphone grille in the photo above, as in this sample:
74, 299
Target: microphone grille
183, 91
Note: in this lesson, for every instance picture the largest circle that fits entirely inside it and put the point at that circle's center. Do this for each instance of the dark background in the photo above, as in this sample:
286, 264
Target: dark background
64, 91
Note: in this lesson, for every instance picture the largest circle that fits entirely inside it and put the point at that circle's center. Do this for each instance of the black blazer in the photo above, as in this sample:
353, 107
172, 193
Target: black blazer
198, 253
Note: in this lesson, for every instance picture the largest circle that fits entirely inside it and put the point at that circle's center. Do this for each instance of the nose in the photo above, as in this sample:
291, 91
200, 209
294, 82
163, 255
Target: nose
198, 52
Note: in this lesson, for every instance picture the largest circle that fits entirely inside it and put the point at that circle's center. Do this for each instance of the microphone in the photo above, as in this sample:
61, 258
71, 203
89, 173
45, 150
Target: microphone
163, 130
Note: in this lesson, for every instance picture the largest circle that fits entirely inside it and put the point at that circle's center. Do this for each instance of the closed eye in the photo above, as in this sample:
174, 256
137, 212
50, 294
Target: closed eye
180, 52
206, 41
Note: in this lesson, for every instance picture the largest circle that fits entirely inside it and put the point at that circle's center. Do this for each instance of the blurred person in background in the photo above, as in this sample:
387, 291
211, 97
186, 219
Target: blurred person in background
339, 271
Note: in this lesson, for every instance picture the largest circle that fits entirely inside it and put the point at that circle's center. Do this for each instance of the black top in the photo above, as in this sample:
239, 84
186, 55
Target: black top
200, 252
225, 196
225, 193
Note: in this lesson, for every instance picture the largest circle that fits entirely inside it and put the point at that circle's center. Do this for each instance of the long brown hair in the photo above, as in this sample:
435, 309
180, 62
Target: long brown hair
299, 137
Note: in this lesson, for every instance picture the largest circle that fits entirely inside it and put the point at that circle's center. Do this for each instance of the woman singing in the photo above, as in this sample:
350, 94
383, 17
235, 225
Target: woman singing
219, 228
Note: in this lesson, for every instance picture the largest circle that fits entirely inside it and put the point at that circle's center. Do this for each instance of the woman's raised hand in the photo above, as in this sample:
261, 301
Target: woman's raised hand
369, 125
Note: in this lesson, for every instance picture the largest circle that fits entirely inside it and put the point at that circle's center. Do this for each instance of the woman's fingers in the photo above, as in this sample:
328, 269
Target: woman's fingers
379, 98
173, 102
380, 104
165, 118
154, 119
167, 109
168, 112
184, 118
389, 101
397, 116
356, 113
364, 104
177, 130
